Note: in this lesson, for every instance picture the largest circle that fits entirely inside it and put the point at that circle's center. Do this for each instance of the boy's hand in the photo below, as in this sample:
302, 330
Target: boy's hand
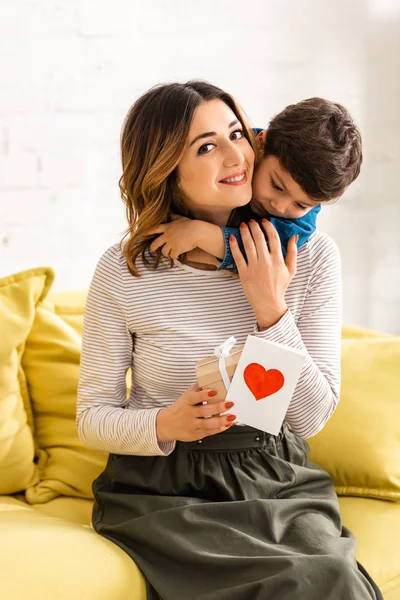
177, 237
266, 275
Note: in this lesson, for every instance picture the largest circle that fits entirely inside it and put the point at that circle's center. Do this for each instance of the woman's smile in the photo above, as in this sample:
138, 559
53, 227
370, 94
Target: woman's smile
238, 178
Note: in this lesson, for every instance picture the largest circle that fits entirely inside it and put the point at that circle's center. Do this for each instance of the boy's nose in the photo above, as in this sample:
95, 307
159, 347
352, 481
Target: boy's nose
279, 207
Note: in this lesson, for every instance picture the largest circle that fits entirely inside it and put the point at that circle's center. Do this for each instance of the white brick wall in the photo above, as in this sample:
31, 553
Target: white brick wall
70, 71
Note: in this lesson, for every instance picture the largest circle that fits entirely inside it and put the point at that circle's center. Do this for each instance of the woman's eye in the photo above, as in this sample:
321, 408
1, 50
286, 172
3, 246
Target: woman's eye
205, 148
237, 134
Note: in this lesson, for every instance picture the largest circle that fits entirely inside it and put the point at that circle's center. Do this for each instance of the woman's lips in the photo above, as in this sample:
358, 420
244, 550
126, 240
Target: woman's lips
239, 178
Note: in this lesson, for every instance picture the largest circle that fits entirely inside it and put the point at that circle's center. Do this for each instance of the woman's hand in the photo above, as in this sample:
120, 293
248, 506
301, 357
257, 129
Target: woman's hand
184, 420
266, 275
178, 237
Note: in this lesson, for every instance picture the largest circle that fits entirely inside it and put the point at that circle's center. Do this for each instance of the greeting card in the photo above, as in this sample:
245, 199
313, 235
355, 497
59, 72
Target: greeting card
264, 382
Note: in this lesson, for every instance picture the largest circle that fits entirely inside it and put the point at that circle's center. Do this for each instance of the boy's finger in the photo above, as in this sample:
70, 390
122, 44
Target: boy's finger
248, 243
166, 250
238, 257
157, 243
274, 241
174, 254
291, 256
159, 229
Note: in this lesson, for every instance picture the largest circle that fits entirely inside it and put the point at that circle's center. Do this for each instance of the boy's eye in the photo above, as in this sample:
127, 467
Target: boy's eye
237, 134
300, 206
276, 187
205, 148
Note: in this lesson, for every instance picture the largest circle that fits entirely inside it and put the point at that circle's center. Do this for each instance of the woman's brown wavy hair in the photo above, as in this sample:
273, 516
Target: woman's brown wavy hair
153, 140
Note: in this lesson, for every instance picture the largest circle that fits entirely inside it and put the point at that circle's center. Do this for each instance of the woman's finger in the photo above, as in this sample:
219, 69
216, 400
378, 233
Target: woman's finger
238, 257
213, 423
291, 256
248, 243
176, 217
219, 429
274, 242
212, 408
259, 240
194, 395
193, 388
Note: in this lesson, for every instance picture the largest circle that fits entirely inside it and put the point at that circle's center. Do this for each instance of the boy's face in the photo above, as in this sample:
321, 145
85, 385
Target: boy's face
275, 192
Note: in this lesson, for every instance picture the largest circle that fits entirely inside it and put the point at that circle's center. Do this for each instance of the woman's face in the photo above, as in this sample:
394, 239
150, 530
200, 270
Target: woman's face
215, 173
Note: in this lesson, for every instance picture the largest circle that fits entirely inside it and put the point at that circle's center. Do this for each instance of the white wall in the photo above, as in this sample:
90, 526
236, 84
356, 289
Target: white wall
70, 71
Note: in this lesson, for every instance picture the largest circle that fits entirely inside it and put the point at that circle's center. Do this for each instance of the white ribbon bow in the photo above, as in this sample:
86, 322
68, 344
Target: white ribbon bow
221, 352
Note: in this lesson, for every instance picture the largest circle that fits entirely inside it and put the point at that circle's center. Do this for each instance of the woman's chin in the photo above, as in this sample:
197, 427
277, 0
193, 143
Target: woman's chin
240, 198
242, 201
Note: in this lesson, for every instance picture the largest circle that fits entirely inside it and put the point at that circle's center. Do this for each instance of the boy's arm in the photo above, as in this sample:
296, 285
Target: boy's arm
210, 238
182, 235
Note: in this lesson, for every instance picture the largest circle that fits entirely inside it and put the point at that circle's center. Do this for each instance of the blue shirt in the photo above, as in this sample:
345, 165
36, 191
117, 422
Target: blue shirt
286, 228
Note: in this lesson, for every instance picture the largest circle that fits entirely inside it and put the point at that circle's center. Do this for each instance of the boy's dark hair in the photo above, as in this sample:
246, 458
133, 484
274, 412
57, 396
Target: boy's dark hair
319, 144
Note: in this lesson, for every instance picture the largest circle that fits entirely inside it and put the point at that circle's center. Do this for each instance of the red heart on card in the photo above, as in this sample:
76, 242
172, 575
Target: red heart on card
261, 382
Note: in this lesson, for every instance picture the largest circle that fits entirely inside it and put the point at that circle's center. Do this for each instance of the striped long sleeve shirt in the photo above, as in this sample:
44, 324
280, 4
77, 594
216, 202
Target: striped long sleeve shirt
162, 323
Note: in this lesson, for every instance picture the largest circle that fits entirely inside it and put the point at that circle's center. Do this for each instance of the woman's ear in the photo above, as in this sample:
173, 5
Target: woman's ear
261, 137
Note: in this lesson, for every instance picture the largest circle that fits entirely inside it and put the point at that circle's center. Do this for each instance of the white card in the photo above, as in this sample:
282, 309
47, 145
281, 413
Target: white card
264, 382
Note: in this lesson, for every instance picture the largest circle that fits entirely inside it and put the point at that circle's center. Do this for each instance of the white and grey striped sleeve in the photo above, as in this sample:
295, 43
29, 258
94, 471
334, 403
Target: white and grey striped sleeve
318, 332
102, 421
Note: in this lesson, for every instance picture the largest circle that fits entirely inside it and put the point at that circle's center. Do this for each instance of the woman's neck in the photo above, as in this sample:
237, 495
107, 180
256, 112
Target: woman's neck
216, 218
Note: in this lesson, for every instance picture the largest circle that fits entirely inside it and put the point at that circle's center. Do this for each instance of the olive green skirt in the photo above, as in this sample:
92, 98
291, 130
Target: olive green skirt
241, 515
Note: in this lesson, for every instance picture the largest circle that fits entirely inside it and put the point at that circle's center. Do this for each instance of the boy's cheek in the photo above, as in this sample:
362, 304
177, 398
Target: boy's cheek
257, 208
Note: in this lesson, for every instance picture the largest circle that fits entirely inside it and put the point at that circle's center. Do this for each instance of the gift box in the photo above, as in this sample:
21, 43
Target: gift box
215, 372
259, 377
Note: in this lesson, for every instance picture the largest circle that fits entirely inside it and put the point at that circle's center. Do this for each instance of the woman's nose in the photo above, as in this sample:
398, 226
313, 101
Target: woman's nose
233, 156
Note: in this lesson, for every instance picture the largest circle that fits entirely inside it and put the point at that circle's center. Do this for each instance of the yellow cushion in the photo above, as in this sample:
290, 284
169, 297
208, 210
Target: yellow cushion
70, 305
376, 526
357, 332
51, 365
46, 558
19, 295
360, 444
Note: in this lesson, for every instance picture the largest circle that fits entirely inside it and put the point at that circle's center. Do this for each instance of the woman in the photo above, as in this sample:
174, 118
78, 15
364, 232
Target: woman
209, 510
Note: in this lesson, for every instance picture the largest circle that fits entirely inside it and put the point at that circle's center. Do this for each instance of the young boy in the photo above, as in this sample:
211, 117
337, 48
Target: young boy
310, 153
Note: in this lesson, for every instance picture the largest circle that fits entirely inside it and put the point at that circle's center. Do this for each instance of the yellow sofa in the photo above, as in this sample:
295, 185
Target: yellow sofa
48, 549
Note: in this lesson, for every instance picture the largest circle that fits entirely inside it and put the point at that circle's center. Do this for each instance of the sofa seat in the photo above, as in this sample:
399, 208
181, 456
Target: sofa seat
77, 510
375, 523
46, 558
